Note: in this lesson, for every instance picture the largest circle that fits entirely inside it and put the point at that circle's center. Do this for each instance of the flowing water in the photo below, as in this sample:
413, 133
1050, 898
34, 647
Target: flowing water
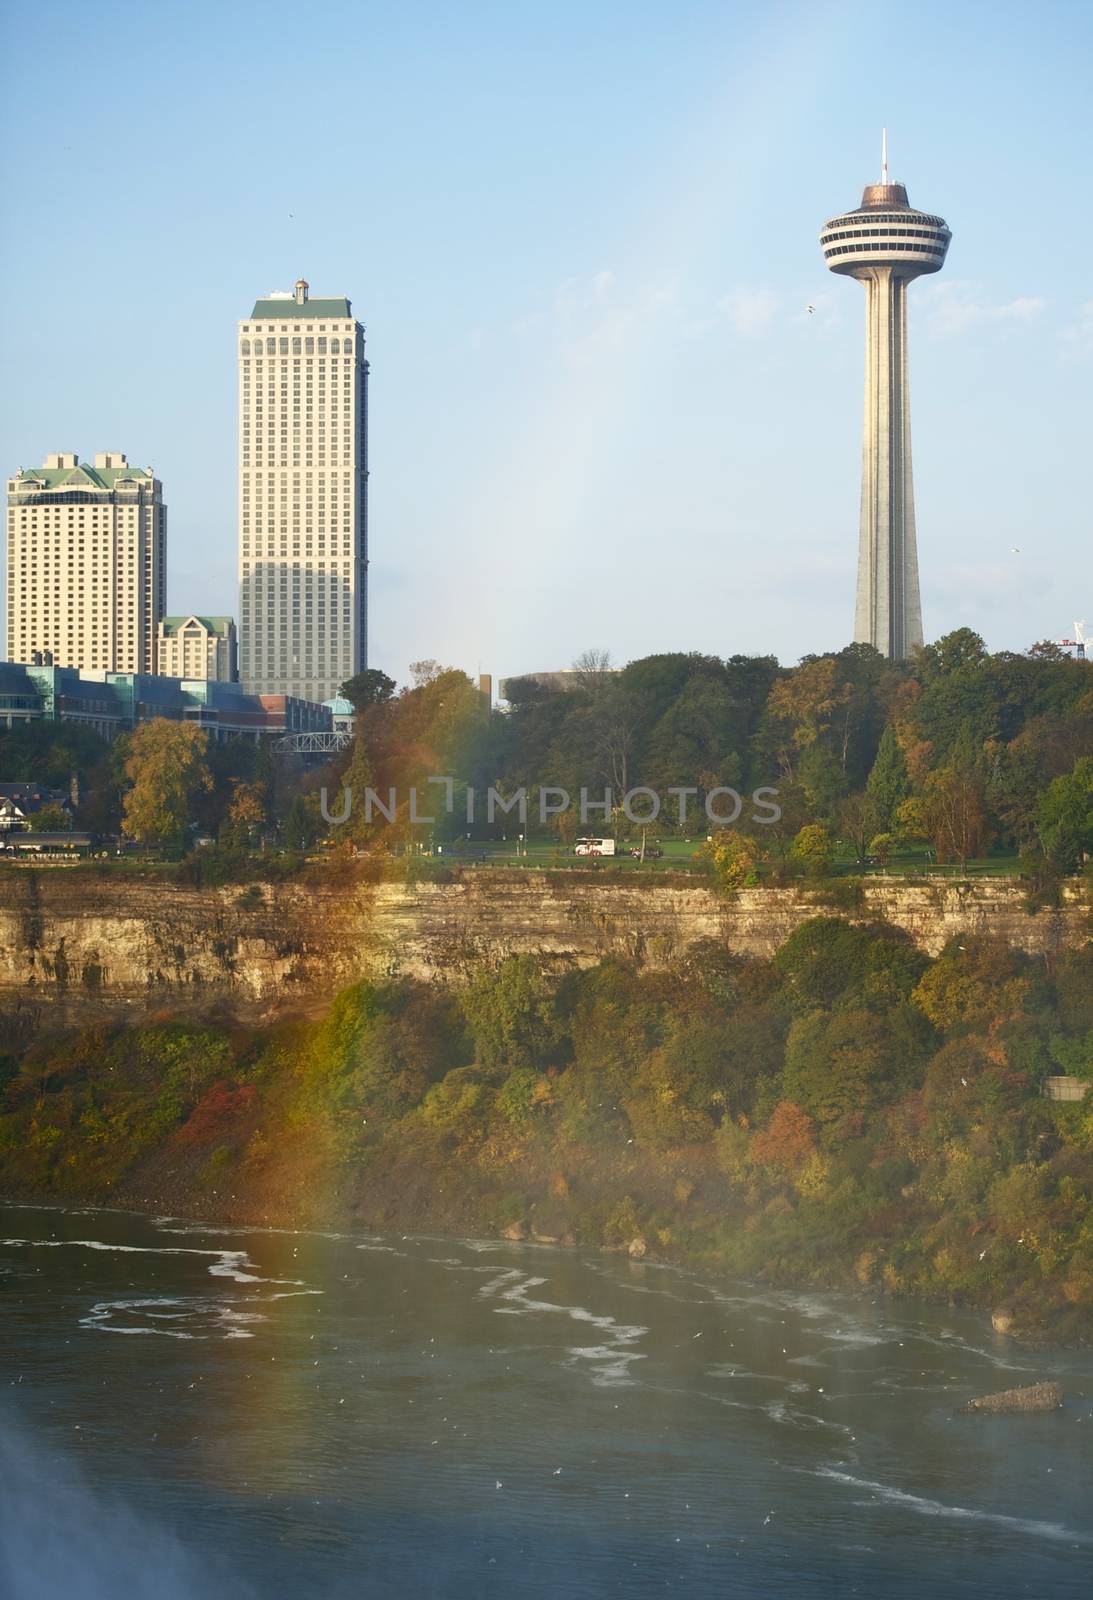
188, 1411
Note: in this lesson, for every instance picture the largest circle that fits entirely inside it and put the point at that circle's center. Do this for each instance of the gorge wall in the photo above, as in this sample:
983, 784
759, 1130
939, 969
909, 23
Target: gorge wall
75, 945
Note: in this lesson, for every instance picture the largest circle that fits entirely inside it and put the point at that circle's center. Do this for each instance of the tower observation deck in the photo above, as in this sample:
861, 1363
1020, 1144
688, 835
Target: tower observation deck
884, 244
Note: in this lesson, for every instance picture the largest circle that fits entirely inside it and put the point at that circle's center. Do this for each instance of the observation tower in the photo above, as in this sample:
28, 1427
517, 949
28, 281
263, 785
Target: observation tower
884, 244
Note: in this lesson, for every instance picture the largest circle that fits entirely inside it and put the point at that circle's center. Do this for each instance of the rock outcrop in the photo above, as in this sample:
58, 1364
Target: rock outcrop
1034, 1397
76, 944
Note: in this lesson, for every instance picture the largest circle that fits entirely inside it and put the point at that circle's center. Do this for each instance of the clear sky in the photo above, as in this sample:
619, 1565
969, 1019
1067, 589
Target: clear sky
583, 238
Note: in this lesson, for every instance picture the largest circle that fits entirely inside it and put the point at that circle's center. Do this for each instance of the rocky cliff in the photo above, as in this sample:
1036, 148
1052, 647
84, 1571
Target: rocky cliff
74, 944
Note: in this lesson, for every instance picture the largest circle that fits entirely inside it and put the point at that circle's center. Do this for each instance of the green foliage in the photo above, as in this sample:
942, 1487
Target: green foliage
813, 848
167, 768
509, 1014
1064, 816
888, 784
850, 1112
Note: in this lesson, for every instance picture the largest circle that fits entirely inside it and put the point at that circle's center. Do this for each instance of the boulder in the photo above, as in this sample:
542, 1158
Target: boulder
637, 1248
1003, 1319
515, 1232
1034, 1397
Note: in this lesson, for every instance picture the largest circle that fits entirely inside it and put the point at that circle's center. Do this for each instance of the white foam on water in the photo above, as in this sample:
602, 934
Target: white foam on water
162, 1314
610, 1362
858, 1337
500, 1279
936, 1508
225, 1264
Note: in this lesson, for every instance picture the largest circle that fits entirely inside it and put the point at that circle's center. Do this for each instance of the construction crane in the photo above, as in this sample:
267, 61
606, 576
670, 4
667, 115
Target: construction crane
1078, 643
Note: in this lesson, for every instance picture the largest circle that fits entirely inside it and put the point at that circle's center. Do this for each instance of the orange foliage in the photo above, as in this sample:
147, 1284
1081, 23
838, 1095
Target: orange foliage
787, 1141
221, 1106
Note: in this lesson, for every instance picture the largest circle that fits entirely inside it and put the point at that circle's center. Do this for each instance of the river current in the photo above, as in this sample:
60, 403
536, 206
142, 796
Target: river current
193, 1413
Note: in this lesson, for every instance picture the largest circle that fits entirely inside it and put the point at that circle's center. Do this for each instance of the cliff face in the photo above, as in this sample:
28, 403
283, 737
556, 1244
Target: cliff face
73, 945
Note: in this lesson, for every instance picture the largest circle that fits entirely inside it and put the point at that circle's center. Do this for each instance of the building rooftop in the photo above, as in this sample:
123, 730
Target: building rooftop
311, 309
172, 625
81, 476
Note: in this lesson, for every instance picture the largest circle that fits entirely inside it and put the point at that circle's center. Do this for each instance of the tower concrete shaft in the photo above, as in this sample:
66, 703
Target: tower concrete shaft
884, 244
888, 612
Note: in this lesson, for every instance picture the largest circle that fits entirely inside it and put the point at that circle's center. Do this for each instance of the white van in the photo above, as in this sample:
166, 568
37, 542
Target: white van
594, 847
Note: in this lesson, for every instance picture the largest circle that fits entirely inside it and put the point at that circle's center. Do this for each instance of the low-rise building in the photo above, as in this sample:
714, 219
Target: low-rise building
20, 803
114, 702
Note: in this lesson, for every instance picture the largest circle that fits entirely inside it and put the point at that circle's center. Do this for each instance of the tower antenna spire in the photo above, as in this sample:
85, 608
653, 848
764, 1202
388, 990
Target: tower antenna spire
884, 155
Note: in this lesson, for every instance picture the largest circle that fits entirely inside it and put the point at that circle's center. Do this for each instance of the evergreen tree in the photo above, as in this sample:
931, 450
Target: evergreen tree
888, 783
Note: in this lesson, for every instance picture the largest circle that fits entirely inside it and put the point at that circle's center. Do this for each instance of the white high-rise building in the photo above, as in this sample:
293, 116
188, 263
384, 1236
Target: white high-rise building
87, 564
303, 496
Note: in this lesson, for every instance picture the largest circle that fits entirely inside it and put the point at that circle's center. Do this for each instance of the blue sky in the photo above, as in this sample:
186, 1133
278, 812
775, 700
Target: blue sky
582, 238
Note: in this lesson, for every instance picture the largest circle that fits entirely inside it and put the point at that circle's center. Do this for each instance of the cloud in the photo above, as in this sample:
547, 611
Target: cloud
953, 307
1078, 335
750, 312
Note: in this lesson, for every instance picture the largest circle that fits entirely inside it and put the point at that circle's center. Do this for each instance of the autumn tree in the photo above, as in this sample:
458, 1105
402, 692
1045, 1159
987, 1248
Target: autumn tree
787, 1141
813, 849
167, 768
802, 706
955, 814
246, 813
735, 858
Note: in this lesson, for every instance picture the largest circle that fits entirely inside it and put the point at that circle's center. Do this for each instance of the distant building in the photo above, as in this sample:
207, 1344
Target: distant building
21, 802
197, 647
87, 564
303, 495
110, 703
341, 710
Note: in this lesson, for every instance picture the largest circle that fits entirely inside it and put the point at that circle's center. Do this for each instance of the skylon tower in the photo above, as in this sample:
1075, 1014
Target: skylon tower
884, 244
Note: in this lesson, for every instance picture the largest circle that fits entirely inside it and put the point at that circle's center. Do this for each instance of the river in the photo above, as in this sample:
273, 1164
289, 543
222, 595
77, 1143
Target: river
193, 1412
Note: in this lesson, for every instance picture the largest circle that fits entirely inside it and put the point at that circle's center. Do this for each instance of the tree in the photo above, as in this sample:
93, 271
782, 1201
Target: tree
167, 767
246, 812
888, 783
510, 1013
835, 1063
955, 814
802, 706
813, 848
50, 819
1064, 816
301, 825
735, 858
883, 846
593, 672
859, 819
369, 688
787, 1141
974, 983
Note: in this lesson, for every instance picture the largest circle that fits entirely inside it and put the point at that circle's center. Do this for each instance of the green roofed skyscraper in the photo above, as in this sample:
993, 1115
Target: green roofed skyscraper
303, 495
